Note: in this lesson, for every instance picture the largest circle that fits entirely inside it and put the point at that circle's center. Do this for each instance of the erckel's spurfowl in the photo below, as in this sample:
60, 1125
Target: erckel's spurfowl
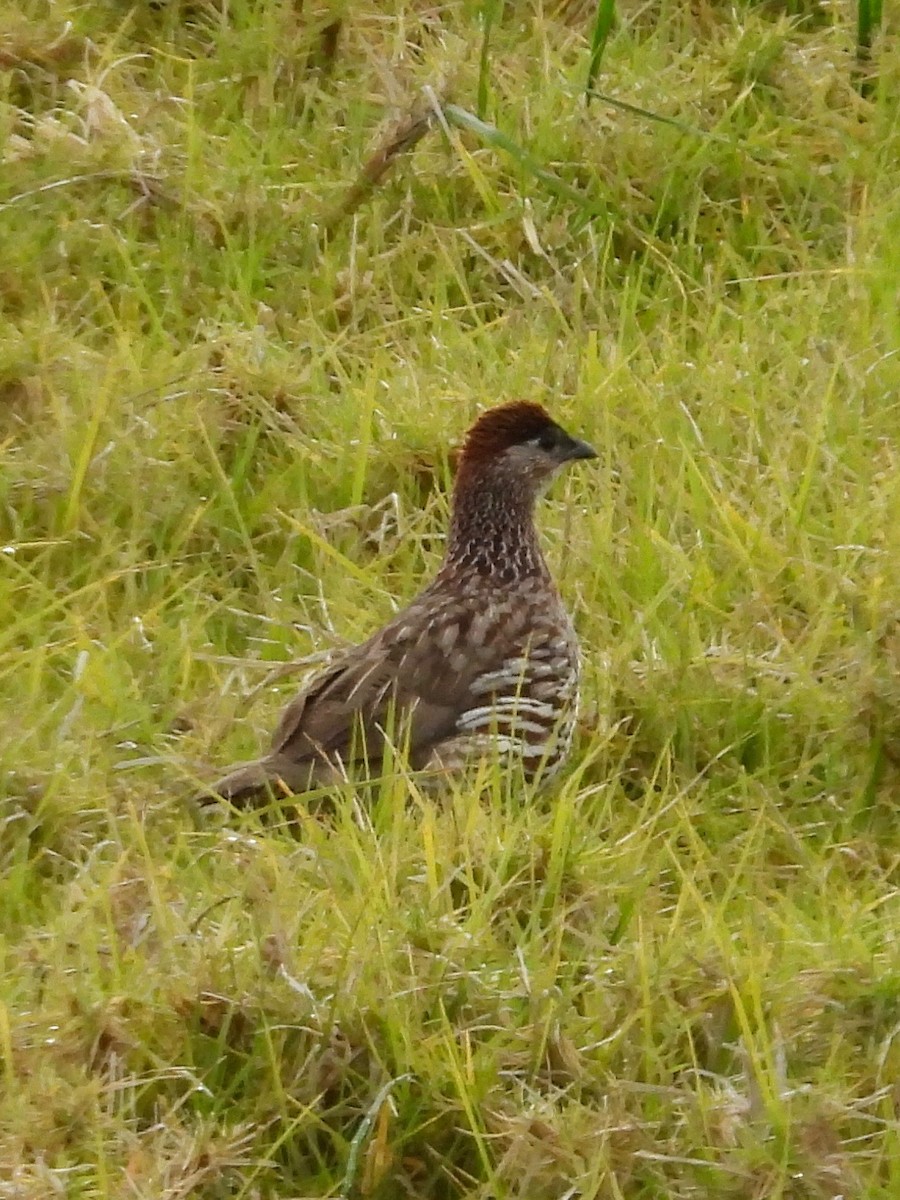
484, 661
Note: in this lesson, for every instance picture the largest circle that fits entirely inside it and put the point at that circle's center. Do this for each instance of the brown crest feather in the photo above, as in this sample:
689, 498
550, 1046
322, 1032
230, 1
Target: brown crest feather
502, 427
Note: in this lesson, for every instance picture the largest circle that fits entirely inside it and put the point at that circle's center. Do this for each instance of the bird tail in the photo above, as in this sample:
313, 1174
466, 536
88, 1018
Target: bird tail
247, 784
253, 784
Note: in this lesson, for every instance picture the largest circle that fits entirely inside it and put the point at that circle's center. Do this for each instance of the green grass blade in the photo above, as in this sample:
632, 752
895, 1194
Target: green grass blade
673, 122
868, 23
603, 23
492, 136
490, 11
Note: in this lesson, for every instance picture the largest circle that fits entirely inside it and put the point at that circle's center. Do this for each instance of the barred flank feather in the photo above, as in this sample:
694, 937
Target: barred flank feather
484, 661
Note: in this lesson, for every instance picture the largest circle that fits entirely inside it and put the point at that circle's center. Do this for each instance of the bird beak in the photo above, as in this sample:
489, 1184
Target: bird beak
579, 449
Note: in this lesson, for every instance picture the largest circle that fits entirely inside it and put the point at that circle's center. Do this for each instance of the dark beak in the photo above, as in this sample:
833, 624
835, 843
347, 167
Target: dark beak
579, 449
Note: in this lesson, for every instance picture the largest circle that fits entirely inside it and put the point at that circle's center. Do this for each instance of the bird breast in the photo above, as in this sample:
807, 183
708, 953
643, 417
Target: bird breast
525, 708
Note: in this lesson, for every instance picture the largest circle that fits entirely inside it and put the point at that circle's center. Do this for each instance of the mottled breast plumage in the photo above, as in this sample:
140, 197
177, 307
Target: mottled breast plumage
522, 706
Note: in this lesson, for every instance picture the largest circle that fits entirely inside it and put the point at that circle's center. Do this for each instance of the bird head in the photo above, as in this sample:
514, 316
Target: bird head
522, 441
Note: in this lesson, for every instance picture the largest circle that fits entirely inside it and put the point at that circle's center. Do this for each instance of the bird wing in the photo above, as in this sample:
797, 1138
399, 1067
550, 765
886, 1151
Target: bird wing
414, 676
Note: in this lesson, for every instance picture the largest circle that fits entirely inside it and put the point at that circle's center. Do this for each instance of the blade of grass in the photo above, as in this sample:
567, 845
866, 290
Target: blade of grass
603, 23
490, 11
648, 114
349, 1186
492, 136
868, 22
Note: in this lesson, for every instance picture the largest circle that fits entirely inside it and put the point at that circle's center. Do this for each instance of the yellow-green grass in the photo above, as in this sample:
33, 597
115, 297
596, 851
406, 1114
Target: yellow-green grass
227, 399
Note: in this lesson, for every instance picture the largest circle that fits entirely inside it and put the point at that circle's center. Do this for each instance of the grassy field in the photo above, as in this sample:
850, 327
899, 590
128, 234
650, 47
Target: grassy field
262, 263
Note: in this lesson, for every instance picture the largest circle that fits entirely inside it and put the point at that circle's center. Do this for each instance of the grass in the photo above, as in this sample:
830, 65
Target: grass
228, 396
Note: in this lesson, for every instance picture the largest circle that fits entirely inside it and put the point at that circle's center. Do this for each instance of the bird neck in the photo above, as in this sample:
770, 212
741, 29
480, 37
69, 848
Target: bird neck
492, 531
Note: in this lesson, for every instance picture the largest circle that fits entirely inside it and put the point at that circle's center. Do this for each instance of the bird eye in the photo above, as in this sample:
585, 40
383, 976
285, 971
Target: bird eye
548, 440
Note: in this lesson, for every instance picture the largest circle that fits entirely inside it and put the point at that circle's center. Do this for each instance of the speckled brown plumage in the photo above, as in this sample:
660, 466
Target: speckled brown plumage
483, 661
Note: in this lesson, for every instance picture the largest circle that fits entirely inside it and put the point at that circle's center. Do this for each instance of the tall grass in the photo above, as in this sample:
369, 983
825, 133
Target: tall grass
262, 264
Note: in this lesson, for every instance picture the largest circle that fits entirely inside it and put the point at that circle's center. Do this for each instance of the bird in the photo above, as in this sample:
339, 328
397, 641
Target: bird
483, 661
